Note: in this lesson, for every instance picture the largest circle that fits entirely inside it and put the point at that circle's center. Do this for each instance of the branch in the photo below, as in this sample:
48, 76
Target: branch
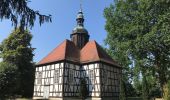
19, 12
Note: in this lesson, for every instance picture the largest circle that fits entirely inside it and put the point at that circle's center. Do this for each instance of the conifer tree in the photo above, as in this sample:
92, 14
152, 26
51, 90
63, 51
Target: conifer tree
19, 12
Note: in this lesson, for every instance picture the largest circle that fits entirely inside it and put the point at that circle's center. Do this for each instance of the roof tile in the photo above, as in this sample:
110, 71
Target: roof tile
91, 52
66, 50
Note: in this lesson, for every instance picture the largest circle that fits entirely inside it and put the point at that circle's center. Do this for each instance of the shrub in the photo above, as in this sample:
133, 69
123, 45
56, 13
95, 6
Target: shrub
166, 88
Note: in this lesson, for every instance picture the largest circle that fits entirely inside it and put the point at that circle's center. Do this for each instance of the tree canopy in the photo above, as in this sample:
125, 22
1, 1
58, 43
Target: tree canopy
17, 50
19, 12
139, 33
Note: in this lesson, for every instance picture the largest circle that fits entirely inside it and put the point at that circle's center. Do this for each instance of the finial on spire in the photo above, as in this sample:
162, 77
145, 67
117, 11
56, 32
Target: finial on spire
80, 17
81, 5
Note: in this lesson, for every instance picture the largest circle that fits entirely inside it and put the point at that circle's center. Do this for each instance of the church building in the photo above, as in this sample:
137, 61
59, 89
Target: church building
58, 75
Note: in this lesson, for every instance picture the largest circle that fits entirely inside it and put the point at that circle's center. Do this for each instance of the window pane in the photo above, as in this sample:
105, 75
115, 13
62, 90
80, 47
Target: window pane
56, 76
71, 75
91, 75
39, 80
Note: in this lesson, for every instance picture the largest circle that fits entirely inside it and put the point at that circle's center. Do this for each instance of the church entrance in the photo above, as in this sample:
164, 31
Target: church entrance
46, 91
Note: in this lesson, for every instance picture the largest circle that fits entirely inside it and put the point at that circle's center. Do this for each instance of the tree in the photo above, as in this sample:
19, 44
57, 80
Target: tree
167, 91
84, 92
125, 83
8, 79
18, 11
17, 50
145, 91
122, 90
141, 30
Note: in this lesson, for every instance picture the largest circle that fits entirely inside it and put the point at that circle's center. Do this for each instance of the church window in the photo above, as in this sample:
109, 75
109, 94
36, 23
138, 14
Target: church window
39, 80
104, 76
71, 75
91, 75
56, 76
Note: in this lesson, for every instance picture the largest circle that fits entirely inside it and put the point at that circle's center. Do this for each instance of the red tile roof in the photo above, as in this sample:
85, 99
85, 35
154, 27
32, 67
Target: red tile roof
92, 51
67, 50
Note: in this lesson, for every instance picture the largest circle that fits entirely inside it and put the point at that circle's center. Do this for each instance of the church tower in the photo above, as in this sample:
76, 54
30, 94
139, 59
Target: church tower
59, 74
80, 35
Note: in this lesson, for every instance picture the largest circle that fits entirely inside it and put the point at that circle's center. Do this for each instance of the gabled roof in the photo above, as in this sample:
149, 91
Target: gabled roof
92, 51
66, 50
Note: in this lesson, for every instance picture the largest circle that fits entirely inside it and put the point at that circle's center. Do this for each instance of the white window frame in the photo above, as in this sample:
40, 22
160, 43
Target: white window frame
39, 78
91, 76
56, 76
71, 75
104, 76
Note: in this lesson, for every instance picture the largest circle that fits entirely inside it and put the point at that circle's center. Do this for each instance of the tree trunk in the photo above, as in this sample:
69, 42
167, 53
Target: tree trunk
161, 73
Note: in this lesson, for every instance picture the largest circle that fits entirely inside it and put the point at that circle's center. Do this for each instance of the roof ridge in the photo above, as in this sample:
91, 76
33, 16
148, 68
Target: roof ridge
65, 50
97, 49
66, 46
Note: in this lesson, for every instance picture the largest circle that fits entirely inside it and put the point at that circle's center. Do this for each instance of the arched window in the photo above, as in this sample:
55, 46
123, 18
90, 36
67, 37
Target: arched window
56, 76
39, 78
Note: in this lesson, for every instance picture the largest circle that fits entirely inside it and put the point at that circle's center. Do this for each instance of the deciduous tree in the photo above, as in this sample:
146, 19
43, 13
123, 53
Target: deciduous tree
140, 29
17, 50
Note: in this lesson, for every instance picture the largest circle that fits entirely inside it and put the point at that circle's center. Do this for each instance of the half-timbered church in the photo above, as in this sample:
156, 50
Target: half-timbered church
58, 74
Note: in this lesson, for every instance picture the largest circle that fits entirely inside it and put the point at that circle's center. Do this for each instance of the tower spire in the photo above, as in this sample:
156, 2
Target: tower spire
80, 17
79, 34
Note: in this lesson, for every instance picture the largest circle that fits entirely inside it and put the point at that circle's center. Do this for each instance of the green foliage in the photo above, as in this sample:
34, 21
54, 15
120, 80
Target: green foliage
145, 90
139, 38
130, 91
134, 98
84, 92
166, 95
17, 50
8, 80
122, 90
16, 10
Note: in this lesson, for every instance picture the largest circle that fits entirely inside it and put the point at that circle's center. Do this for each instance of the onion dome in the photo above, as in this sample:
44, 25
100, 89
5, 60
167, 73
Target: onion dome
80, 23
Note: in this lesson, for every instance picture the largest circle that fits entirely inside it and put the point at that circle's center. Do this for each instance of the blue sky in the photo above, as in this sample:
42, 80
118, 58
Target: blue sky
50, 35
